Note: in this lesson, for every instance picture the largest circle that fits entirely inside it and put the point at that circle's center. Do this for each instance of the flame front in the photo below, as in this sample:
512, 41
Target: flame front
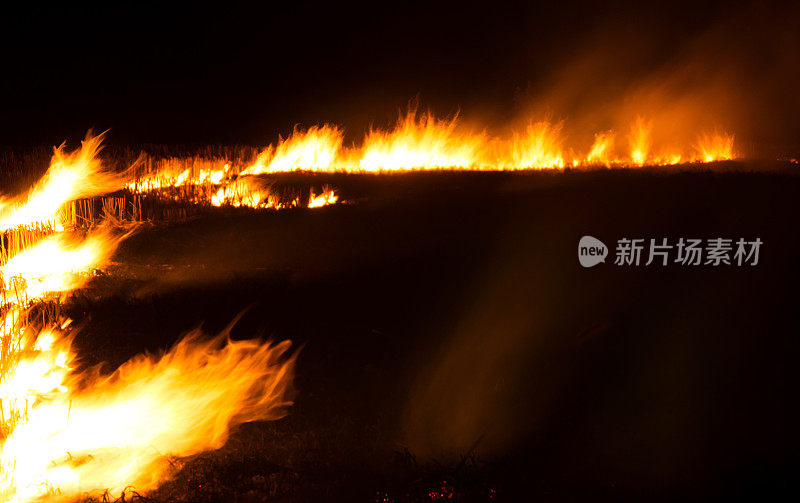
422, 142
312, 150
65, 434
58, 263
601, 151
539, 148
120, 430
639, 140
70, 176
328, 196
716, 147
419, 144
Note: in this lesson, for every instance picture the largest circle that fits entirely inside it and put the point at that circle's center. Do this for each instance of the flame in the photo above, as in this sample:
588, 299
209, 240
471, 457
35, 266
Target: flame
64, 434
58, 263
245, 192
639, 140
715, 147
540, 147
418, 144
70, 176
423, 142
199, 171
600, 153
242, 192
312, 150
85, 432
327, 197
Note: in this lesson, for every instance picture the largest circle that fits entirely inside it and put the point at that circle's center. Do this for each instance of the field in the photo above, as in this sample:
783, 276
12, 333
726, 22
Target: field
449, 345
452, 348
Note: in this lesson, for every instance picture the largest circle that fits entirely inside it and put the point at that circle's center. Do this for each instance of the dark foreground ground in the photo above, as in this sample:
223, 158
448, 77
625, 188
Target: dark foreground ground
454, 349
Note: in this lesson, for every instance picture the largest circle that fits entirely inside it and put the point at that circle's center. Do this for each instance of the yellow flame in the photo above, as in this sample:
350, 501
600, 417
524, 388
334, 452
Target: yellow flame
639, 140
327, 197
715, 147
58, 263
424, 143
312, 150
540, 147
600, 153
119, 430
70, 176
66, 434
199, 171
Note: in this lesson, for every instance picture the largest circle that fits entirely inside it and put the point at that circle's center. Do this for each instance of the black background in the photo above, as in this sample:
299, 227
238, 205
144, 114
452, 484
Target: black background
230, 73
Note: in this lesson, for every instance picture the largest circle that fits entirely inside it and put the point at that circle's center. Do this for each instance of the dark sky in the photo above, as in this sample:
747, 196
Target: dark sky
229, 73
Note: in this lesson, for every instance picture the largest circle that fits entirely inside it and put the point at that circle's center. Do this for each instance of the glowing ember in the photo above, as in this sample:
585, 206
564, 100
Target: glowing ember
244, 192
328, 196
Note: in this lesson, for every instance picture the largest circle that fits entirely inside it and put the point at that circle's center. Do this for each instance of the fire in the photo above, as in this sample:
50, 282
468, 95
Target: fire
244, 192
200, 171
639, 140
327, 197
70, 176
312, 150
64, 433
540, 147
420, 144
715, 147
90, 432
600, 153
58, 263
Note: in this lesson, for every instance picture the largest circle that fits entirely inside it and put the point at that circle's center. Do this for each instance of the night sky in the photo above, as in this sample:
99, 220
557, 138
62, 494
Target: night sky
243, 74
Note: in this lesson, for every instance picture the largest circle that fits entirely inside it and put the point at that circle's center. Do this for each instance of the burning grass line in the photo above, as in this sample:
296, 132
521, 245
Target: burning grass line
183, 402
63, 432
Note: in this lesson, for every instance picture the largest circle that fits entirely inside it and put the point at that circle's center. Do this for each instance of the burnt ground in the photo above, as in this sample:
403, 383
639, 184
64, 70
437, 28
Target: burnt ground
453, 347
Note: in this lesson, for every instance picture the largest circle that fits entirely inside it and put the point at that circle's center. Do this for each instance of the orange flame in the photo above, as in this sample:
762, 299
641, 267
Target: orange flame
639, 140
58, 263
540, 147
600, 153
423, 142
715, 147
312, 150
418, 144
70, 176
327, 197
64, 434
119, 430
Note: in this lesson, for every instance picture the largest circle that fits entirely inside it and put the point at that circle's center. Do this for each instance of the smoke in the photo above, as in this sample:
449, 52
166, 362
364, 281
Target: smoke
500, 373
733, 70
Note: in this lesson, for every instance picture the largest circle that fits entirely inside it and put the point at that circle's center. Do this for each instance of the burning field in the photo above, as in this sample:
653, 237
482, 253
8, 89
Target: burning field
73, 429
328, 253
